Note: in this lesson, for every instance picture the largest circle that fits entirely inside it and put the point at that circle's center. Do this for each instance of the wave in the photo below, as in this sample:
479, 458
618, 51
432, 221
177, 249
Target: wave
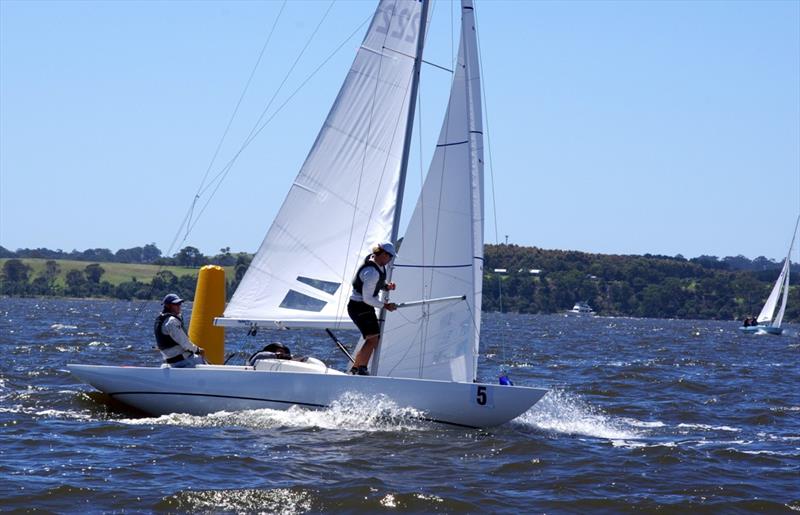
278, 500
564, 412
351, 412
708, 427
61, 327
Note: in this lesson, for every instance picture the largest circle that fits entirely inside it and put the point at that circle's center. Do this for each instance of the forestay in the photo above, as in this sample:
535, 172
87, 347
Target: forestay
442, 251
343, 199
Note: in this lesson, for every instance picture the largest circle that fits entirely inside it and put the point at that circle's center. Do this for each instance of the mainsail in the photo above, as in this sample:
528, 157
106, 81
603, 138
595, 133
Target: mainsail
343, 199
768, 311
781, 285
442, 250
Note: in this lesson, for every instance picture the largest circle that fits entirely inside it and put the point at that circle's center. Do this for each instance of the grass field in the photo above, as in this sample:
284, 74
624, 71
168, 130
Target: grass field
115, 273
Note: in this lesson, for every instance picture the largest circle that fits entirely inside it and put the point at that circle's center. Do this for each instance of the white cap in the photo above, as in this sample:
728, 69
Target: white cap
388, 248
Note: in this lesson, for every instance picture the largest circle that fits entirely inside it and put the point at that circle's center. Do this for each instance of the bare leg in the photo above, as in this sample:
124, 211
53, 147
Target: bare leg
370, 343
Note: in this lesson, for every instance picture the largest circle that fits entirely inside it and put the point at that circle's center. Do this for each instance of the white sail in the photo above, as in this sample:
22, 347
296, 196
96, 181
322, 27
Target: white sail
767, 312
442, 251
781, 285
779, 318
343, 199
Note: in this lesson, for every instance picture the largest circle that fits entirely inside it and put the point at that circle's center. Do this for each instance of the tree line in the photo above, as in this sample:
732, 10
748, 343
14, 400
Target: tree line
550, 281
516, 279
149, 254
18, 279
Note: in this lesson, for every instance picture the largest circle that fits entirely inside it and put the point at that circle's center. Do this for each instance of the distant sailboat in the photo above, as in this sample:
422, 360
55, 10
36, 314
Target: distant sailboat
767, 321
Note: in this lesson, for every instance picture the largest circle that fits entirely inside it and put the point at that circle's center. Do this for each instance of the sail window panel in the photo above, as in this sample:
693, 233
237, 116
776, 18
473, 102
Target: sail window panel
328, 287
296, 300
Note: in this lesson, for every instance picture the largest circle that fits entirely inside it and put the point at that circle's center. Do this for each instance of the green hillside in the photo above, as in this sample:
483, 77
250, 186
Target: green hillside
115, 273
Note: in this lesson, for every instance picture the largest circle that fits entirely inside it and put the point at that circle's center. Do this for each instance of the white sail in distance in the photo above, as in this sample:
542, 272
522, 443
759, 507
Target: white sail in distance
779, 318
782, 284
768, 311
441, 253
343, 199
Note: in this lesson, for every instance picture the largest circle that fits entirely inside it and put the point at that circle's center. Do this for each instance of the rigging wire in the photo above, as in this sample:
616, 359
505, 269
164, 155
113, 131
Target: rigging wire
504, 330
188, 217
188, 221
255, 130
299, 56
235, 111
220, 177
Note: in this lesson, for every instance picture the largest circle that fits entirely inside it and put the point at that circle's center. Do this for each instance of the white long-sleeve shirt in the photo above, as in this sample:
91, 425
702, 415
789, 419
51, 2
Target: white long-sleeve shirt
172, 327
369, 276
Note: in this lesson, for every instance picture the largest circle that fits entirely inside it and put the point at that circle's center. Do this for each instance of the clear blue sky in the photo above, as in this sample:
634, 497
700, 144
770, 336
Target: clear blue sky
615, 127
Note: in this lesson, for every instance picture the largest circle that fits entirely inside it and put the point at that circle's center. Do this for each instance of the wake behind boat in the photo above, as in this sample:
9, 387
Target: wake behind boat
347, 196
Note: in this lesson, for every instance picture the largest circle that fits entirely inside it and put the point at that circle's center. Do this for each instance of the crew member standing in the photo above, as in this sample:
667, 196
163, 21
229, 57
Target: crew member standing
368, 285
175, 346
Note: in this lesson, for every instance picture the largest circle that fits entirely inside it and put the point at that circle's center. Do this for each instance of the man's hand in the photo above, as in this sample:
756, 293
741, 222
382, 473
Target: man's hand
390, 286
390, 306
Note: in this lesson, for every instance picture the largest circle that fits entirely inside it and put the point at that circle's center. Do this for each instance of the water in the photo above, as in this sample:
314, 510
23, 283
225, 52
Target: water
643, 415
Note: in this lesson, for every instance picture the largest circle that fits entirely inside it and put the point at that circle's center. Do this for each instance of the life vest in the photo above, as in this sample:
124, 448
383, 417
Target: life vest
170, 349
358, 284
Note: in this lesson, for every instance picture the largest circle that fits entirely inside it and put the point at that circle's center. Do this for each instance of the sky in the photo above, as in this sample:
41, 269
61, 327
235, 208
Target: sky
626, 127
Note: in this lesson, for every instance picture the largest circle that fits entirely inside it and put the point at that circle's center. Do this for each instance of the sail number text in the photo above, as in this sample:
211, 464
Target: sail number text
482, 396
405, 25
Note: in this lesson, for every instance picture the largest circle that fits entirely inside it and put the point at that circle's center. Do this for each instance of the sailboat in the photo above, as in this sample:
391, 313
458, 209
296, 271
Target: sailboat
347, 197
768, 321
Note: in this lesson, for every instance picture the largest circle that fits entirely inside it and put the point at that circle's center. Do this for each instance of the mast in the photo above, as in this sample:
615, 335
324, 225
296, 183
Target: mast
423, 25
475, 121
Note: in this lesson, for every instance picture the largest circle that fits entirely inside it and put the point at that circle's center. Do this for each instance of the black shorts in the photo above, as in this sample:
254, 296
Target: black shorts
363, 315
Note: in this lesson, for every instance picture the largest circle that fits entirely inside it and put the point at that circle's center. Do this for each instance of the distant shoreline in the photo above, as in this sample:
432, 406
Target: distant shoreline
516, 280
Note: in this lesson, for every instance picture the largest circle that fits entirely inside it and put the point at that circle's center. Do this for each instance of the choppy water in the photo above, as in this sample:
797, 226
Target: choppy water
643, 415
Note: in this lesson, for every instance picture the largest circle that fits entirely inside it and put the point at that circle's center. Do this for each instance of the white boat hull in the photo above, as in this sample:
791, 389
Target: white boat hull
211, 388
752, 329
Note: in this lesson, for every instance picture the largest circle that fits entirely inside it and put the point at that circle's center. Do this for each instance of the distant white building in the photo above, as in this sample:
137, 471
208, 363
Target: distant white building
532, 271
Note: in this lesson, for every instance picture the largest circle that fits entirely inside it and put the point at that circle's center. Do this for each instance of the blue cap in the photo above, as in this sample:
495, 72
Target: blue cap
172, 299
